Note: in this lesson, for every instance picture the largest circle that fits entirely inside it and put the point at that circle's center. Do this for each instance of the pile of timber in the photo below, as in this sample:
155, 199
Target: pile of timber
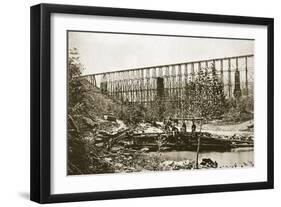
153, 140
185, 141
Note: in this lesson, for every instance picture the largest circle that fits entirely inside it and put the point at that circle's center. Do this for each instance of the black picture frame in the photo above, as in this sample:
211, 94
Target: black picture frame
41, 99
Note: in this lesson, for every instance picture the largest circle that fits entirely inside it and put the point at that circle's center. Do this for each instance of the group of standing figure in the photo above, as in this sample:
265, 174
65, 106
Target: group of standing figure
172, 125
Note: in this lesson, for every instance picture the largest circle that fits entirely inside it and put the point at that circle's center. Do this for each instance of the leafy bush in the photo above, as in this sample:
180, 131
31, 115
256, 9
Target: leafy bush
238, 110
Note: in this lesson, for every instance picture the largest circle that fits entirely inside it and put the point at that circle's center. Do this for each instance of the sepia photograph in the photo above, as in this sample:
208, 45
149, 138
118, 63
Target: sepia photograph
155, 102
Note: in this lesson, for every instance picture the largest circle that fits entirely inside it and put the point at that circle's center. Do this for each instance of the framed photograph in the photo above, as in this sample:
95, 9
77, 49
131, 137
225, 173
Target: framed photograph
133, 103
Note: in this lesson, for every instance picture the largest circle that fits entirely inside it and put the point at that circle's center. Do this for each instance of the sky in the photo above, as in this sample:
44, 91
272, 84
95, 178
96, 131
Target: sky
105, 52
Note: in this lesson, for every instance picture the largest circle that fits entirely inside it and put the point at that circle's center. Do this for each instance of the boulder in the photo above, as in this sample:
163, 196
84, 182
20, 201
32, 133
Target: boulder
115, 149
89, 122
145, 149
99, 144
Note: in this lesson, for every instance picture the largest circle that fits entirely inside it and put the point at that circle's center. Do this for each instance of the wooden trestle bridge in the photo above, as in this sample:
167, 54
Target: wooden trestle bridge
143, 85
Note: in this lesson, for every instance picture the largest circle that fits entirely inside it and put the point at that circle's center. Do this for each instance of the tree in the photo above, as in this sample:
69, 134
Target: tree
83, 157
205, 96
77, 161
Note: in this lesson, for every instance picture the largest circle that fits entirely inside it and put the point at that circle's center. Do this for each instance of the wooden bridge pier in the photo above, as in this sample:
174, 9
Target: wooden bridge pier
141, 85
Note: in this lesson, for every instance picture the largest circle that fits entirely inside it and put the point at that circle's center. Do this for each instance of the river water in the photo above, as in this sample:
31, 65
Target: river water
237, 156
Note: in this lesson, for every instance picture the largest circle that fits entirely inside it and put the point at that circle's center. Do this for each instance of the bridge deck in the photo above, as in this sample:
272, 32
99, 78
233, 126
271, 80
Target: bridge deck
141, 85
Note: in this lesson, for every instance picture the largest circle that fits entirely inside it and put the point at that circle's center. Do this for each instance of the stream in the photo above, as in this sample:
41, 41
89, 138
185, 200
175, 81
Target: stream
236, 156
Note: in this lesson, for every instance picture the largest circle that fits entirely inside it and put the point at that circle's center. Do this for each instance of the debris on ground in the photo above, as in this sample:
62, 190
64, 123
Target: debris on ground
147, 128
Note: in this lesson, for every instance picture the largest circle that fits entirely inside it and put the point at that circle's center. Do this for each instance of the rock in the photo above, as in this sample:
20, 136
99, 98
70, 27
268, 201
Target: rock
129, 157
160, 124
108, 159
89, 121
115, 149
182, 165
98, 139
119, 165
88, 138
167, 163
99, 144
145, 149
208, 163
130, 169
251, 126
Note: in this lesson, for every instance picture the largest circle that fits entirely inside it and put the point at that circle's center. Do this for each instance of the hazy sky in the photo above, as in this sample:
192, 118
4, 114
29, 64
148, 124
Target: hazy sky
103, 52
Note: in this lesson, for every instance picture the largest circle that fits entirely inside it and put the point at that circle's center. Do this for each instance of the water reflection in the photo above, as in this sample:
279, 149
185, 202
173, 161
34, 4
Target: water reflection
236, 156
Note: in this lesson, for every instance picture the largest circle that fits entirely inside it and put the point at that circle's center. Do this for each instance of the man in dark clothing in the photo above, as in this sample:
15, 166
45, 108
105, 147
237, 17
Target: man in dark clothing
184, 127
193, 127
